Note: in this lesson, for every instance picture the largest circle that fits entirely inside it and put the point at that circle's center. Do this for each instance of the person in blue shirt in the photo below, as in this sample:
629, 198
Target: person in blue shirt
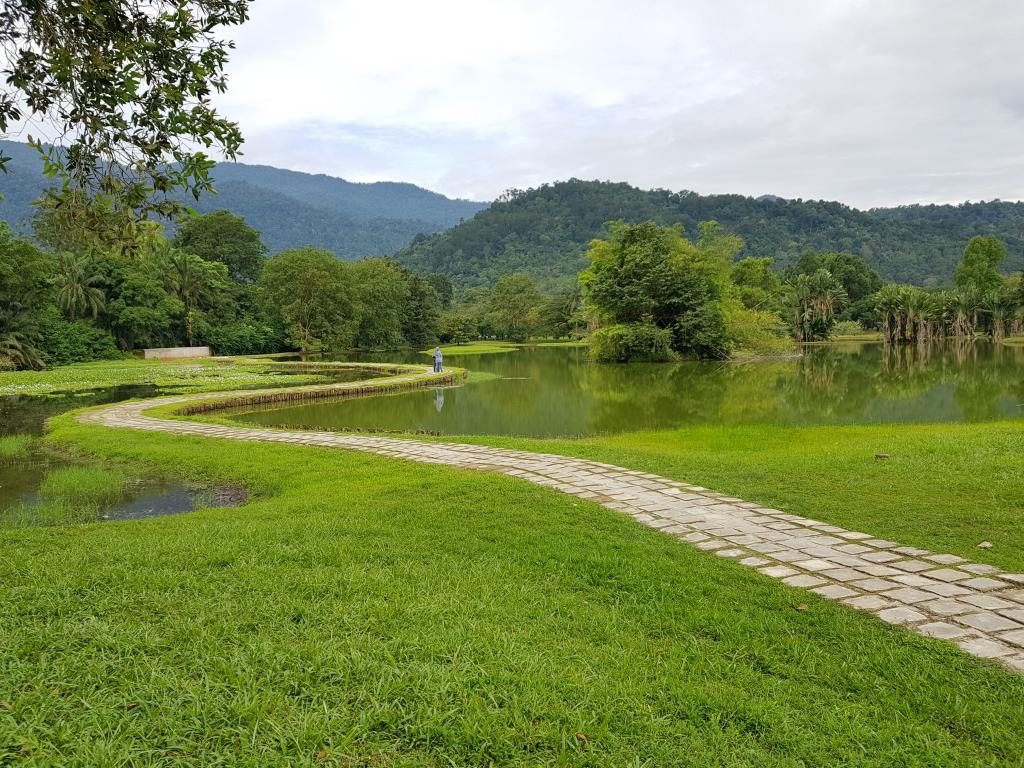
438, 359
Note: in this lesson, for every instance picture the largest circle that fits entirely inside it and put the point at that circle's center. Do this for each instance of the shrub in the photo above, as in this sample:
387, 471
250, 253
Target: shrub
245, 339
756, 332
636, 342
65, 342
847, 328
701, 333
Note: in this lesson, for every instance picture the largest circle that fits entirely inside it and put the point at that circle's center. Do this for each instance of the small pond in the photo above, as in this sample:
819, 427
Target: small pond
21, 478
557, 392
45, 489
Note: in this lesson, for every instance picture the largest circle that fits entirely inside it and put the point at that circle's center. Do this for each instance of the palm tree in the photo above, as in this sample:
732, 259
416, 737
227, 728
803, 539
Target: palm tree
887, 300
914, 307
998, 304
829, 295
963, 310
193, 281
803, 313
815, 299
77, 283
18, 338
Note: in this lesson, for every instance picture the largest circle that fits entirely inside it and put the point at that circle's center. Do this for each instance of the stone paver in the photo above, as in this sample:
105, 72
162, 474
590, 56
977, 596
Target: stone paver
975, 605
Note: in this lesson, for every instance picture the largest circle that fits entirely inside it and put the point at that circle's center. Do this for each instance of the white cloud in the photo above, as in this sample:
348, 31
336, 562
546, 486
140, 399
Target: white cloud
867, 101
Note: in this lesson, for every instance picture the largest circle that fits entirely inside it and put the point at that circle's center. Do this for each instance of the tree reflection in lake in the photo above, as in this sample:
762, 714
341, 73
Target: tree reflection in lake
555, 391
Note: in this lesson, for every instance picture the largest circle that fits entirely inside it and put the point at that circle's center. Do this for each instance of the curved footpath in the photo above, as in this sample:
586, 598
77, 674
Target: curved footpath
976, 606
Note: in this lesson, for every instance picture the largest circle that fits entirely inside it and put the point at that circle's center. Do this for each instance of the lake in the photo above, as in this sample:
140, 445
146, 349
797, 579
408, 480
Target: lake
557, 392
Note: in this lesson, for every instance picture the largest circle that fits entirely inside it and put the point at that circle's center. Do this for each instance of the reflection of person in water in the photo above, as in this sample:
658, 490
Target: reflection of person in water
439, 399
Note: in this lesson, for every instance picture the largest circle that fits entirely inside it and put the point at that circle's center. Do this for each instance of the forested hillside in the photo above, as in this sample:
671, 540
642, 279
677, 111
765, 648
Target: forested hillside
289, 208
545, 231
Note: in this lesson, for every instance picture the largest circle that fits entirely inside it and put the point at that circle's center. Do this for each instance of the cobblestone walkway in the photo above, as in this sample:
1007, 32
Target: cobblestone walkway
976, 606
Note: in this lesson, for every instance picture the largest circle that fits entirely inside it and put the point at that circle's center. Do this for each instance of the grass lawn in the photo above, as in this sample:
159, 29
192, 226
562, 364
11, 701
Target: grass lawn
494, 347
186, 375
364, 611
946, 487
474, 348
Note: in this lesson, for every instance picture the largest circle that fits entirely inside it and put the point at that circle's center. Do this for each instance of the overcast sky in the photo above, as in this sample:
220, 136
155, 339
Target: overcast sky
871, 102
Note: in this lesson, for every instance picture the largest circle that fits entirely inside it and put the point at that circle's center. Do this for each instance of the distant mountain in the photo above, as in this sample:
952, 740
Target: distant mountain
545, 231
288, 207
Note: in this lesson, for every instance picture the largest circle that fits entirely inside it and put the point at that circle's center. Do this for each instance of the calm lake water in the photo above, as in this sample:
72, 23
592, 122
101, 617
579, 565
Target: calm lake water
556, 392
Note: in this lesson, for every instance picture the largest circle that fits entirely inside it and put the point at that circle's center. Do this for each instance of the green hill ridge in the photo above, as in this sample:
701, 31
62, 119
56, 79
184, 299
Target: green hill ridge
289, 208
545, 231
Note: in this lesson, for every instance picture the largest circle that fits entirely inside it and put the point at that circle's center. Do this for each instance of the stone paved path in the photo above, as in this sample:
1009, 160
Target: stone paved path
976, 606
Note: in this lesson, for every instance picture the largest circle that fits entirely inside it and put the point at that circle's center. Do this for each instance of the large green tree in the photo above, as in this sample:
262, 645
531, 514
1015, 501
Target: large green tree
648, 274
512, 309
857, 278
125, 87
757, 285
198, 284
222, 236
381, 291
140, 310
422, 312
979, 268
25, 291
311, 291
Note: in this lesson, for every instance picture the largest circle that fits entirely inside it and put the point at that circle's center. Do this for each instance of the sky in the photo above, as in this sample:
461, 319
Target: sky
870, 102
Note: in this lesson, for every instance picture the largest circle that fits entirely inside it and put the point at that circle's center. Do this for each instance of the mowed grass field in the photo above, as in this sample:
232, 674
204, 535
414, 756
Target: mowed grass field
364, 611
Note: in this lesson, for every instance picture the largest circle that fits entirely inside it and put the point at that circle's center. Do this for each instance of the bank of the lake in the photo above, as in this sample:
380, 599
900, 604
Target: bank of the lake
29, 398
360, 606
944, 487
799, 435
454, 615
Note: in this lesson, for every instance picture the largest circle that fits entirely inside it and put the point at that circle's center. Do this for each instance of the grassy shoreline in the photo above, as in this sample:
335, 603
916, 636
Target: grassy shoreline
375, 611
945, 487
362, 610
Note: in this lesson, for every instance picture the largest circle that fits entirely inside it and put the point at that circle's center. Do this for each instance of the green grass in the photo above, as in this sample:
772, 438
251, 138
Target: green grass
67, 495
86, 485
364, 611
866, 336
474, 348
186, 375
15, 448
495, 347
946, 487
555, 343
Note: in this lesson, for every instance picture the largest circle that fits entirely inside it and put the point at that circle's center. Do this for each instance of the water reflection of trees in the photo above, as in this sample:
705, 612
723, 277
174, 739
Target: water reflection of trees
833, 383
650, 396
557, 392
937, 381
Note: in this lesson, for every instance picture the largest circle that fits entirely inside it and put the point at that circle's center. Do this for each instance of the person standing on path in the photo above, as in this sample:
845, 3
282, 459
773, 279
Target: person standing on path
438, 359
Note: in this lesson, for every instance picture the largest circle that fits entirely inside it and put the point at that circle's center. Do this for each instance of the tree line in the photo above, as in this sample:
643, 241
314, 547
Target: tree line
652, 294
69, 296
74, 294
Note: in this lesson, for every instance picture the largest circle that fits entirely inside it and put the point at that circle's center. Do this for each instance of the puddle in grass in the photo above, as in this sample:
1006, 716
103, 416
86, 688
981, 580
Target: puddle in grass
22, 475
160, 499
24, 503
